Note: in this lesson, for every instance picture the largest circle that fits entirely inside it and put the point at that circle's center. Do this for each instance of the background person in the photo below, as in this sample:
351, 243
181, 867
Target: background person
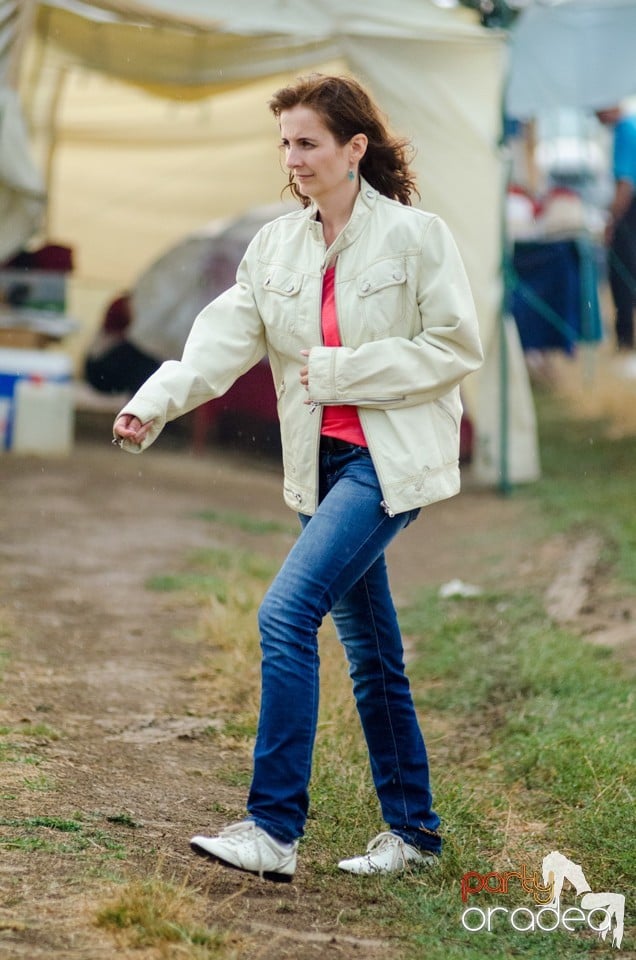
362, 304
620, 232
113, 363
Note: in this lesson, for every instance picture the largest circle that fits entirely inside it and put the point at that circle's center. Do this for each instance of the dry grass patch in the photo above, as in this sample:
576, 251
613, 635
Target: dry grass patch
167, 915
597, 384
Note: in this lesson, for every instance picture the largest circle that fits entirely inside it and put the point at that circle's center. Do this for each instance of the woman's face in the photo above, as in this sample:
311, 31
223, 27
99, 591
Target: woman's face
319, 164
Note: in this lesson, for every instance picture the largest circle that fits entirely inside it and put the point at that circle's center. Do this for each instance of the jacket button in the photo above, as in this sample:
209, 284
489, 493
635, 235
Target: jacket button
370, 194
398, 275
366, 286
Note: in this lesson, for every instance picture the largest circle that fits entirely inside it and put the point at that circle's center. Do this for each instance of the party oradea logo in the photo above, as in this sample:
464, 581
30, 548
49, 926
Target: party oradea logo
601, 912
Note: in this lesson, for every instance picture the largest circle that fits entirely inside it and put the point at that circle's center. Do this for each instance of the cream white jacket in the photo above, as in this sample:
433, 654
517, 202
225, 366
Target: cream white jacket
409, 336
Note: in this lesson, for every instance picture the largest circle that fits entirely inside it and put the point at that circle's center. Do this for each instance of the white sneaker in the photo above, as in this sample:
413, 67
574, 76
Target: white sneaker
388, 853
245, 846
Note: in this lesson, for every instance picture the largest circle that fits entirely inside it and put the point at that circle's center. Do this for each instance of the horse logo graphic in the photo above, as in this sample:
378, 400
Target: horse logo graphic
556, 869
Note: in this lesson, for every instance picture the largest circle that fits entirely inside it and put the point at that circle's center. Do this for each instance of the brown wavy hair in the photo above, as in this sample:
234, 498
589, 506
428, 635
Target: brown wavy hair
347, 109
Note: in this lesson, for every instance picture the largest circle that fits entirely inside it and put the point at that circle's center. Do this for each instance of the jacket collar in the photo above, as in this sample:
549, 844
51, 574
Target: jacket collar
362, 207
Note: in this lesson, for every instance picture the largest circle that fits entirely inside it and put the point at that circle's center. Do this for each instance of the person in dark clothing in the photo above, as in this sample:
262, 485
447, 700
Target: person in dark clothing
620, 231
114, 364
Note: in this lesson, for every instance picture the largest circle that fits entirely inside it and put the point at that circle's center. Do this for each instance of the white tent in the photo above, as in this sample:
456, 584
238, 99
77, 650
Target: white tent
438, 74
577, 53
22, 193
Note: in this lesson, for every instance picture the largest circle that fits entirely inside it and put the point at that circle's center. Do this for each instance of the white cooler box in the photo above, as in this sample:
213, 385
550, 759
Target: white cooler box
36, 402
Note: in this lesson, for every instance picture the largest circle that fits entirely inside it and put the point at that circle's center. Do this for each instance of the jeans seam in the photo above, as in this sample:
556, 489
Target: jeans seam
386, 706
314, 706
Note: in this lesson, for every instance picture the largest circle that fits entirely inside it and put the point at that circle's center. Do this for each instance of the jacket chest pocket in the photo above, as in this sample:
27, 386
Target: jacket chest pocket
381, 293
281, 301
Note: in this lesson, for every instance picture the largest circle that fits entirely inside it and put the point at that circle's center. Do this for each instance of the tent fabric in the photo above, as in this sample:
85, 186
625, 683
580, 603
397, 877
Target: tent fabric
175, 288
305, 19
176, 62
458, 104
195, 47
15, 21
22, 191
436, 72
579, 54
22, 188
513, 408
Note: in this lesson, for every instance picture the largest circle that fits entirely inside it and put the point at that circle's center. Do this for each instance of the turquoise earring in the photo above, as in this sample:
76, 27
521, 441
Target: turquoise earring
351, 175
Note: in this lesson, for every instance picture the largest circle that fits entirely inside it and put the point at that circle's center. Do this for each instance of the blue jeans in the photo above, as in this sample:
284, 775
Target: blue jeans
337, 565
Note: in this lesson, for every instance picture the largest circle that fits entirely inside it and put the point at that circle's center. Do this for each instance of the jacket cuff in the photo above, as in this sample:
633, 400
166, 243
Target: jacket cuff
322, 374
144, 413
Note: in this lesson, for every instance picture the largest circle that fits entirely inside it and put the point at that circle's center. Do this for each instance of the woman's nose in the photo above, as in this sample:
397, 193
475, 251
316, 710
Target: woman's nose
292, 158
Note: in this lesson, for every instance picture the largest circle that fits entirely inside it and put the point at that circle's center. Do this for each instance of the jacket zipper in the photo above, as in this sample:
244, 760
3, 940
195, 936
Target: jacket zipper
383, 503
313, 406
362, 400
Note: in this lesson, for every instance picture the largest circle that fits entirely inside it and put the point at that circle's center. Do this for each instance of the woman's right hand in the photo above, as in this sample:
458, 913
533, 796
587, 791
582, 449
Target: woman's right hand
128, 427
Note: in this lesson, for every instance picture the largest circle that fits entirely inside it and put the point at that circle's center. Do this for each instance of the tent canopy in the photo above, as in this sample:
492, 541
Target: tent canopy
436, 72
121, 196
197, 47
126, 181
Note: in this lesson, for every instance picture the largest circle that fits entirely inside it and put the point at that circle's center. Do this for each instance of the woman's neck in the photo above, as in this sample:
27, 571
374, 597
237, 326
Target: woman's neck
335, 216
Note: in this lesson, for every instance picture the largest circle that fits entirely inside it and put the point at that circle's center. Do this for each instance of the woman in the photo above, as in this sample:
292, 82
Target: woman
362, 304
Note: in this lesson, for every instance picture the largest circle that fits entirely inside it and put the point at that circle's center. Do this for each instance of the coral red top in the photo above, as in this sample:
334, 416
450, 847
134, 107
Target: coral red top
340, 421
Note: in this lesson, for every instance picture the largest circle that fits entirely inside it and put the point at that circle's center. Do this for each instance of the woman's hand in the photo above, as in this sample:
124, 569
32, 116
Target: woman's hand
304, 374
127, 427
304, 371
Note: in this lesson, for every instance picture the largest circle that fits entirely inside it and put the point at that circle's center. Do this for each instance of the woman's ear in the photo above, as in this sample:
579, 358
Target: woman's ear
358, 147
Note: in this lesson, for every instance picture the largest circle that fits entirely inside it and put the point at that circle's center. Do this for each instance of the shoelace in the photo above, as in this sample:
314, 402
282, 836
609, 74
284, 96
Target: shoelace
237, 833
387, 839
244, 826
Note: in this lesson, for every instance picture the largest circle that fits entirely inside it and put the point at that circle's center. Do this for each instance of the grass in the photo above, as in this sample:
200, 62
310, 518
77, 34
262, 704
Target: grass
208, 572
40, 730
588, 482
17, 742
59, 836
157, 912
248, 524
529, 728
542, 732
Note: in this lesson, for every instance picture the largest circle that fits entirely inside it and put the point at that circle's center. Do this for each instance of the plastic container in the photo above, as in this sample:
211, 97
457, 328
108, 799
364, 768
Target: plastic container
5, 420
36, 402
43, 418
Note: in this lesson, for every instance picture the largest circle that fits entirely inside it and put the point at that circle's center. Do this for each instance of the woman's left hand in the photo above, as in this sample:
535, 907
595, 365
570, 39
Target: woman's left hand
304, 371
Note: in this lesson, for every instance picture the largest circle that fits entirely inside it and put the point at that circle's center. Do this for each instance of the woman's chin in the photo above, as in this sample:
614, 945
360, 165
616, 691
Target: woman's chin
304, 187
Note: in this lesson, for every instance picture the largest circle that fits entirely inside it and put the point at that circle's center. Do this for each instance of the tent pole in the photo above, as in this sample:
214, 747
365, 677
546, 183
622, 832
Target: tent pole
504, 385
504, 307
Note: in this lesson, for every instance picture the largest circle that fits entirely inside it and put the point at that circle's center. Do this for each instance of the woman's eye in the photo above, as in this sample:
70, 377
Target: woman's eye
303, 144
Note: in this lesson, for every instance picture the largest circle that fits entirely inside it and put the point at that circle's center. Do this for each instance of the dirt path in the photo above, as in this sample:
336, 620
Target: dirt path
96, 659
